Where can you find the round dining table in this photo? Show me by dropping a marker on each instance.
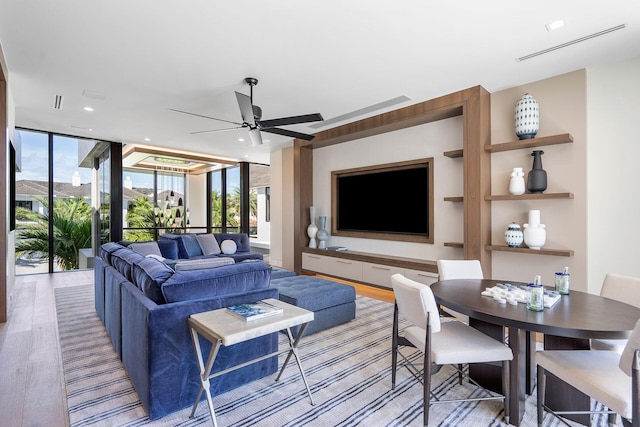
(568, 324)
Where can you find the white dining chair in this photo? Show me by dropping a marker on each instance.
(441, 343)
(625, 289)
(449, 269)
(606, 376)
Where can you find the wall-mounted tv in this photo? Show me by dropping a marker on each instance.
(392, 201)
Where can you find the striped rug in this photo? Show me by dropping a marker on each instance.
(348, 369)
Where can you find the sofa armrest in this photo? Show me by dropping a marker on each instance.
(158, 353)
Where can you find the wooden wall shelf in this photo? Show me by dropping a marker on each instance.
(459, 245)
(454, 199)
(453, 154)
(496, 197)
(525, 250)
(530, 143)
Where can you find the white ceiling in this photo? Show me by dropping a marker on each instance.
(332, 57)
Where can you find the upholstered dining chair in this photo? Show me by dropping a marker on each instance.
(625, 289)
(608, 377)
(446, 343)
(449, 269)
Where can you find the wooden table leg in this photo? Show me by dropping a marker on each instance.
(559, 395)
(517, 380)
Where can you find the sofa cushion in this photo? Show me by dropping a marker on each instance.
(241, 240)
(107, 249)
(123, 259)
(208, 244)
(200, 263)
(169, 248)
(149, 275)
(229, 279)
(146, 248)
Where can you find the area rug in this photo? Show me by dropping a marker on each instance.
(348, 369)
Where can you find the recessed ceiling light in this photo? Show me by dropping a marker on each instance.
(246, 156)
(267, 140)
(87, 108)
(241, 139)
(555, 25)
(147, 139)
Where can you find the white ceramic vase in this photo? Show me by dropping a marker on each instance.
(527, 117)
(513, 237)
(516, 184)
(535, 234)
(312, 229)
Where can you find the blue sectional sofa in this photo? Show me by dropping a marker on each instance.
(145, 305)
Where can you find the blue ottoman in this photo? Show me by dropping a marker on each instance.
(332, 303)
(279, 273)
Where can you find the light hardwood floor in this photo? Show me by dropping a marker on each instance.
(32, 391)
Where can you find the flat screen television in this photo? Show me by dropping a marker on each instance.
(390, 202)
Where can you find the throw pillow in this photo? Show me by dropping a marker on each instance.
(154, 256)
(191, 246)
(208, 244)
(146, 248)
(228, 247)
(168, 248)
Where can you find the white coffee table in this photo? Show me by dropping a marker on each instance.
(222, 328)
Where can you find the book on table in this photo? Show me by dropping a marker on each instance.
(254, 310)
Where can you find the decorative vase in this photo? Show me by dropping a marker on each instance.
(312, 229)
(527, 117)
(535, 234)
(513, 237)
(323, 234)
(537, 179)
(516, 184)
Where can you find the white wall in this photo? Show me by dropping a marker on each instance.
(613, 93)
(197, 200)
(281, 250)
(429, 140)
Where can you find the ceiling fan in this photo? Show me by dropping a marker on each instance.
(252, 119)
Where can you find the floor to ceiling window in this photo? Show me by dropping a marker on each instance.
(32, 199)
(53, 205)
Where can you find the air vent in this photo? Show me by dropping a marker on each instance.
(57, 102)
(572, 42)
(362, 111)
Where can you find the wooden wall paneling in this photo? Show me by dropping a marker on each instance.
(4, 184)
(477, 180)
(303, 198)
(473, 104)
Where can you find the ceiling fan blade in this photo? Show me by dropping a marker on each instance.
(256, 138)
(215, 130)
(246, 108)
(305, 118)
(290, 133)
(205, 117)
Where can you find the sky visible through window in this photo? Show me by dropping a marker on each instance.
(65, 159)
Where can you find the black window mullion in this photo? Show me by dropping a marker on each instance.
(50, 212)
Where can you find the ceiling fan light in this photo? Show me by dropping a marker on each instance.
(256, 138)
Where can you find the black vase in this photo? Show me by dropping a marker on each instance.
(537, 179)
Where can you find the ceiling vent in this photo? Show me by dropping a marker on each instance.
(57, 102)
(572, 42)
